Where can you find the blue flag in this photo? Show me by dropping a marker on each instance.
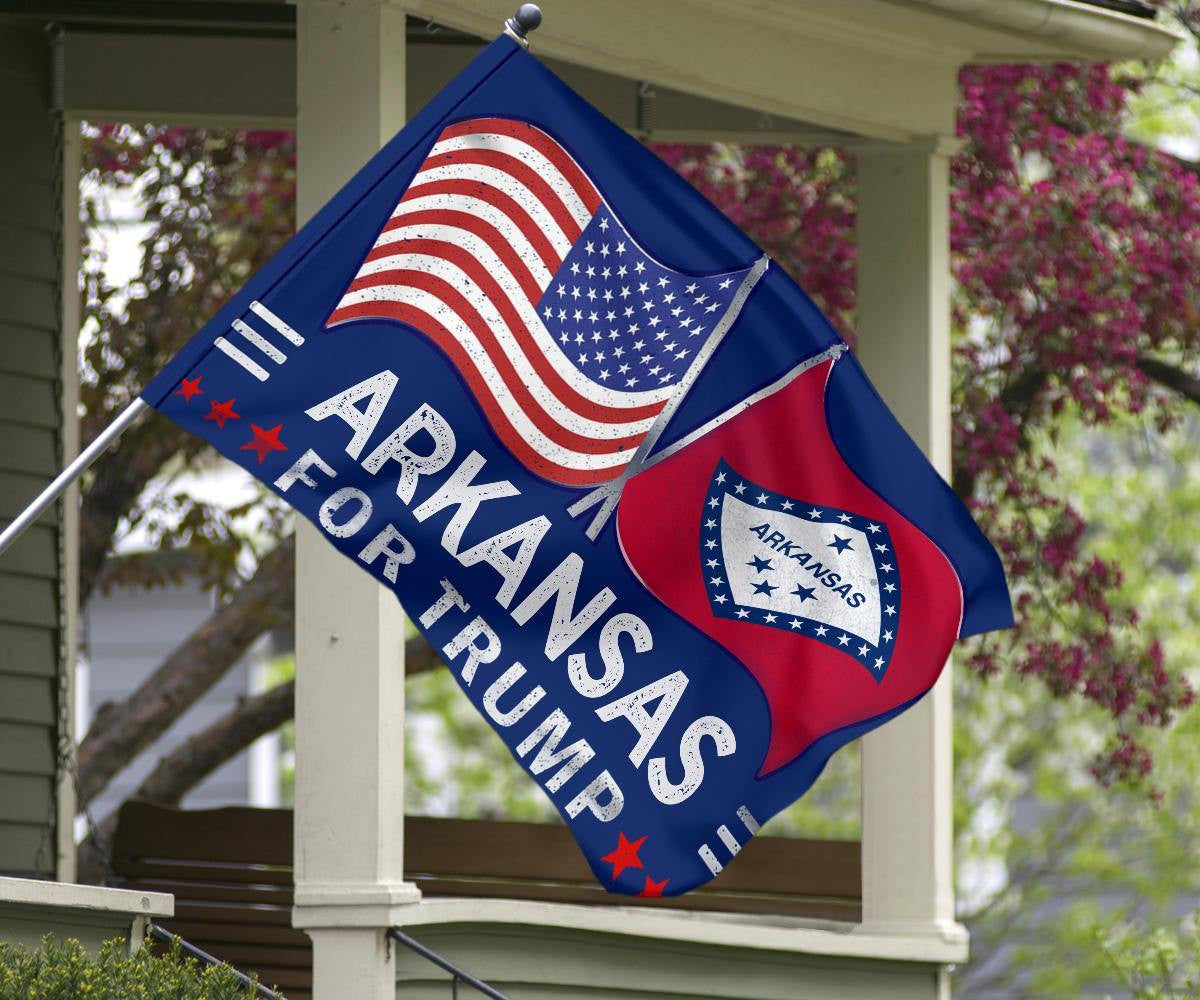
(618, 469)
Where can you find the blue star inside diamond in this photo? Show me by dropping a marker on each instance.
(763, 587)
(760, 565)
(841, 544)
(804, 593)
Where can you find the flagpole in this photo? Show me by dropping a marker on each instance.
(126, 419)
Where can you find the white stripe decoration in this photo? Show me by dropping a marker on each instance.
(727, 838)
(255, 369)
(262, 311)
(710, 859)
(748, 820)
(732, 844)
(260, 343)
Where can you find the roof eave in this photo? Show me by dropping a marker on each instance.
(1069, 28)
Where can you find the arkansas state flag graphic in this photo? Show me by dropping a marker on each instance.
(788, 560)
(619, 470)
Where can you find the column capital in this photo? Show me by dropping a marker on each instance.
(921, 145)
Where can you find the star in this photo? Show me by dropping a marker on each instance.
(220, 412)
(743, 613)
(873, 529)
(841, 544)
(804, 593)
(764, 587)
(787, 505)
(814, 513)
(889, 587)
(711, 564)
(760, 565)
(879, 663)
(264, 442)
(711, 543)
(881, 548)
(886, 567)
(796, 623)
(821, 630)
(720, 477)
(740, 488)
(713, 501)
(710, 523)
(189, 387)
(716, 581)
(769, 618)
(887, 636)
(889, 610)
(844, 518)
(652, 888)
(625, 856)
(863, 649)
(761, 498)
(720, 598)
(843, 640)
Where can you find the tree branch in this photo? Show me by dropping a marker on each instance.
(183, 768)
(192, 761)
(1170, 377)
(1017, 397)
(122, 730)
(178, 772)
(115, 482)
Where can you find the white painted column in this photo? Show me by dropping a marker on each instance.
(349, 833)
(72, 159)
(904, 344)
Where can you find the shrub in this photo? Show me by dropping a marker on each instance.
(62, 970)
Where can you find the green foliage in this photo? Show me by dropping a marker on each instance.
(1163, 966)
(1057, 881)
(455, 764)
(62, 970)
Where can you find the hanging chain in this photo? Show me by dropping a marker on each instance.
(65, 762)
(46, 858)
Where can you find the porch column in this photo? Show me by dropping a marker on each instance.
(904, 344)
(349, 630)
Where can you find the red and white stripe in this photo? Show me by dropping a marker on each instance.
(465, 257)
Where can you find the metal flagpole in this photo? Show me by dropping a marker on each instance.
(127, 418)
(517, 27)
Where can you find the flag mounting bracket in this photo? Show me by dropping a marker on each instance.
(525, 20)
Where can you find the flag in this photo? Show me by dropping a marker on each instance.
(571, 336)
(617, 467)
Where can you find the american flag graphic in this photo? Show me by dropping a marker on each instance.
(572, 338)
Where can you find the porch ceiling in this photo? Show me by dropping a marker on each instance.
(805, 71)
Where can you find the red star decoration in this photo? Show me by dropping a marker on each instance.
(190, 387)
(220, 412)
(264, 442)
(653, 888)
(625, 856)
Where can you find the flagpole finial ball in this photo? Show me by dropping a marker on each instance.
(527, 18)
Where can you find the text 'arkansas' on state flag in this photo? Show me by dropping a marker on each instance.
(617, 467)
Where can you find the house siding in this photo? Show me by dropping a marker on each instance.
(30, 450)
